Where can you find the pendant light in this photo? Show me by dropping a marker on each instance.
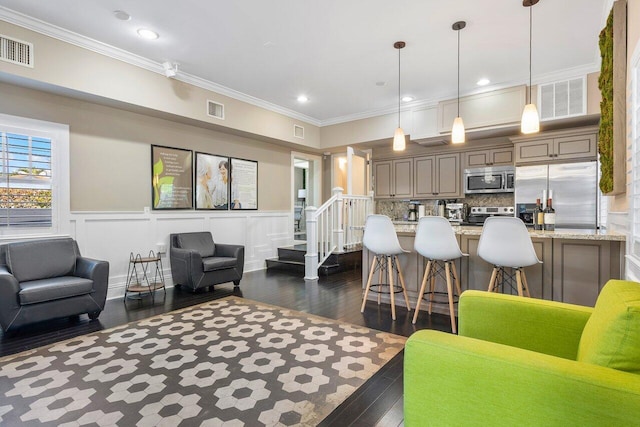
(457, 131)
(530, 119)
(398, 138)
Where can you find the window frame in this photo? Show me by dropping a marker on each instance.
(60, 175)
(633, 233)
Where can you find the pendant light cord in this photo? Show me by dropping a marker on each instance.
(458, 31)
(530, 43)
(399, 86)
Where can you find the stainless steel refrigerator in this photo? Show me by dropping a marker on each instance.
(574, 187)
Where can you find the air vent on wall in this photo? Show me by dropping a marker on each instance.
(215, 109)
(562, 99)
(16, 51)
(298, 131)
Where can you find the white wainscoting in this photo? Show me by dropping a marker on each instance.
(112, 236)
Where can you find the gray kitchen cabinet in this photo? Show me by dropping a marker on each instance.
(393, 178)
(582, 267)
(476, 272)
(566, 145)
(437, 176)
(492, 157)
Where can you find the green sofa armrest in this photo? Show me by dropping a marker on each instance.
(452, 380)
(542, 326)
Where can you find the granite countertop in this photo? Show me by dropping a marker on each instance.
(409, 228)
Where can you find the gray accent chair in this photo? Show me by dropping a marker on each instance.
(47, 279)
(197, 262)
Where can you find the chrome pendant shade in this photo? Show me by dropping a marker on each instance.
(457, 131)
(399, 143)
(530, 122)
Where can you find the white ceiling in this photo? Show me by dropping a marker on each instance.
(335, 51)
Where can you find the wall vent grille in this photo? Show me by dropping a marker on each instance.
(16, 51)
(562, 99)
(298, 131)
(215, 109)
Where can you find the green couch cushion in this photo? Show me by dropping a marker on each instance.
(611, 336)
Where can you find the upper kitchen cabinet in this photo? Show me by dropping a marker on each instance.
(502, 156)
(437, 176)
(574, 144)
(393, 178)
(501, 107)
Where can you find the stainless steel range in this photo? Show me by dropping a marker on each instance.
(478, 214)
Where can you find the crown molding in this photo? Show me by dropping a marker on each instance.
(67, 36)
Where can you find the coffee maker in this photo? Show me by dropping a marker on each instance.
(457, 212)
(413, 212)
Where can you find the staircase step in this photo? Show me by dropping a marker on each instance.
(292, 253)
(294, 266)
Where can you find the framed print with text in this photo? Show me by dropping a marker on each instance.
(171, 178)
(212, 182)
(244, 184)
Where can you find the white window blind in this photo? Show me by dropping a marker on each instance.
(34, 178)
(25, 180)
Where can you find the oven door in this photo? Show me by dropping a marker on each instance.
(491, 182)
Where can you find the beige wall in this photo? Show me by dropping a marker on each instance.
(110, 153)
(71, 67)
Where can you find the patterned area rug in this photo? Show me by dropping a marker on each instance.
(228, 362)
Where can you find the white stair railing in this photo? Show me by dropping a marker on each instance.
(334, 226)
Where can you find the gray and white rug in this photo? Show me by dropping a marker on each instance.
(229, 362)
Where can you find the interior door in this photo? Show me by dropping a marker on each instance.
(358, 172)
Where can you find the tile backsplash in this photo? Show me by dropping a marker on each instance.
(398, 210)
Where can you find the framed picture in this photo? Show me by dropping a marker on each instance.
(171, 178)
(212, 182)
(244, 184)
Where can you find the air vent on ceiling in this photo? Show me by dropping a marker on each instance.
(562, 99)
(215, 109)
(298, 131)
(16, 51)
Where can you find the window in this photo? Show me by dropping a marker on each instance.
(34, 177)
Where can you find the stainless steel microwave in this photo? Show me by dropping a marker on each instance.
(498, 179)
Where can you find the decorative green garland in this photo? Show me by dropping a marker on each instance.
(605, 83)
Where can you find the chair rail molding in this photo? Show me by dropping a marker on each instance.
(112, 236)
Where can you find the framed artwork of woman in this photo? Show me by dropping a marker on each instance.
(212, 182)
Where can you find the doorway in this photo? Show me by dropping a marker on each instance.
(306, 190)
(351, 172)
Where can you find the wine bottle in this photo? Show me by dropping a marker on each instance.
(538, 216)
(549, 217)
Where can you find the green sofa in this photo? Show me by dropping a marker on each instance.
(528, 362)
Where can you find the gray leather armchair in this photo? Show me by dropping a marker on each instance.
(47, 279)
(198, 262)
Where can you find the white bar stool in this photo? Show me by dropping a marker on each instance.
(436, 241)
(505, 242)
(380, 238)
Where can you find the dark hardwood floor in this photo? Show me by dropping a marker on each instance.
(338, 296)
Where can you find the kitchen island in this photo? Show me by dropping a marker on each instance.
(575, 265)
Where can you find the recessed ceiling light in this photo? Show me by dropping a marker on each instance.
(407, 98)
(121, 15)
(147, 34)
(483, 82)
(303, 98)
